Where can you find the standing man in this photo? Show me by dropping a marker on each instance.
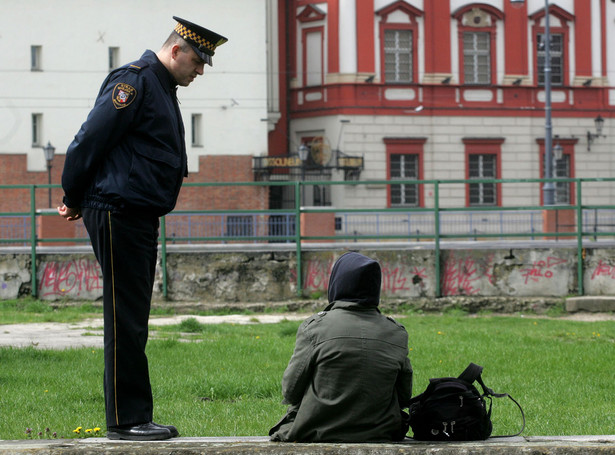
(124, 170)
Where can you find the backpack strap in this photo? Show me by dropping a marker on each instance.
(473, 373)
(522, 416)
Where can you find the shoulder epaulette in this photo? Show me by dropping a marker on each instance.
(137, 66)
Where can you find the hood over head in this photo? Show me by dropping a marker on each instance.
(355, 278)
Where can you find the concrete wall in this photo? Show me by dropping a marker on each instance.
(253, 273)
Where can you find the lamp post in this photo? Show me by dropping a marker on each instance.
(303, 152)
(599, 123)
(548, 189)
(49, 151)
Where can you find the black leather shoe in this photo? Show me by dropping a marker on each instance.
(171, 428)
(143, 432)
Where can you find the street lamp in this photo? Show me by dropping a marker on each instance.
(303, 152)
(599, 123)
(49, 151)
(548, 189)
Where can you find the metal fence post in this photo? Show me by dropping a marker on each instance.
(579, 239)
(33, 240)
(298, 237)
(436, 206)
(163, 255)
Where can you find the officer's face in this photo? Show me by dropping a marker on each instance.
(186, 66)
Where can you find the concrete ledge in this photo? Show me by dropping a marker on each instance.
(594, 304)
(544, 445)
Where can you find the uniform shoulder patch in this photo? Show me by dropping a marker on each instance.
(123, 95)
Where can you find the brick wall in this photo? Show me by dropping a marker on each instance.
(216, 168)
(13, 171)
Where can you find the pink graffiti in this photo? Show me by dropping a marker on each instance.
(603, 269)
(70, 278)
(541, 269)
(394, 279)
(463, 275)
(317, 274)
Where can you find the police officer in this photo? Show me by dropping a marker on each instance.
(124, 170)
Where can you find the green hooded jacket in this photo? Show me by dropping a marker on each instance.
(349, 377)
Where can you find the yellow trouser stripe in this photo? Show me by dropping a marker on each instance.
(117, 420)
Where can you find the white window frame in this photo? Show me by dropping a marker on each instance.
(196, 124)
(36, 55)
(37, 130)
(114, 58)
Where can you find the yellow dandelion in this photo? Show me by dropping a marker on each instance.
(96, 430)
(89, 430)
(77, 430)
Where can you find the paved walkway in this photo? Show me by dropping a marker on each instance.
(88, 333)
(568, 445)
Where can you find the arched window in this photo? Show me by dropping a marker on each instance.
(477, 38)
(398, 43)
(559, 35)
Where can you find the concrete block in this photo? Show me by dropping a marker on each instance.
(594, 304)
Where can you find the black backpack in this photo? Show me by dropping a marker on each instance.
(452, 409)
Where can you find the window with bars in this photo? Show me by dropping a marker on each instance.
(482, 166)
(477, 57)
(404, 167)
(398, 56)
(557, 58)
(562, 189)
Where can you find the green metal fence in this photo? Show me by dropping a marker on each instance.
(436, 212)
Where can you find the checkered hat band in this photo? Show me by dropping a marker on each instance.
(188, 34)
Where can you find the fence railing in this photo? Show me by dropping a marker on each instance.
(435, 223)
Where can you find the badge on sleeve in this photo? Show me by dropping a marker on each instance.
(123, 95)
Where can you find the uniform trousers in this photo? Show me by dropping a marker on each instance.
(125, 246)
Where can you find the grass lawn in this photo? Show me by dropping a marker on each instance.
(226, 381)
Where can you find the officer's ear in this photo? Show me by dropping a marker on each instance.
(175, 50)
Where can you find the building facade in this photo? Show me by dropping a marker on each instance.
(58, 53)
(442, 89)
(361, 91)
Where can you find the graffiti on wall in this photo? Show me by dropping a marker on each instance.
(396, 278)
(463, 275)
(541, 269)
(604, 270)
(74, 278)
(317, 274)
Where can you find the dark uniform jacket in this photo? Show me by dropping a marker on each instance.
(130, 153)
(349, 376)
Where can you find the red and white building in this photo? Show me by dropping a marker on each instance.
(438, 89)
(377, 90)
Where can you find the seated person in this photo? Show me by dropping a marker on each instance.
(349, 377)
